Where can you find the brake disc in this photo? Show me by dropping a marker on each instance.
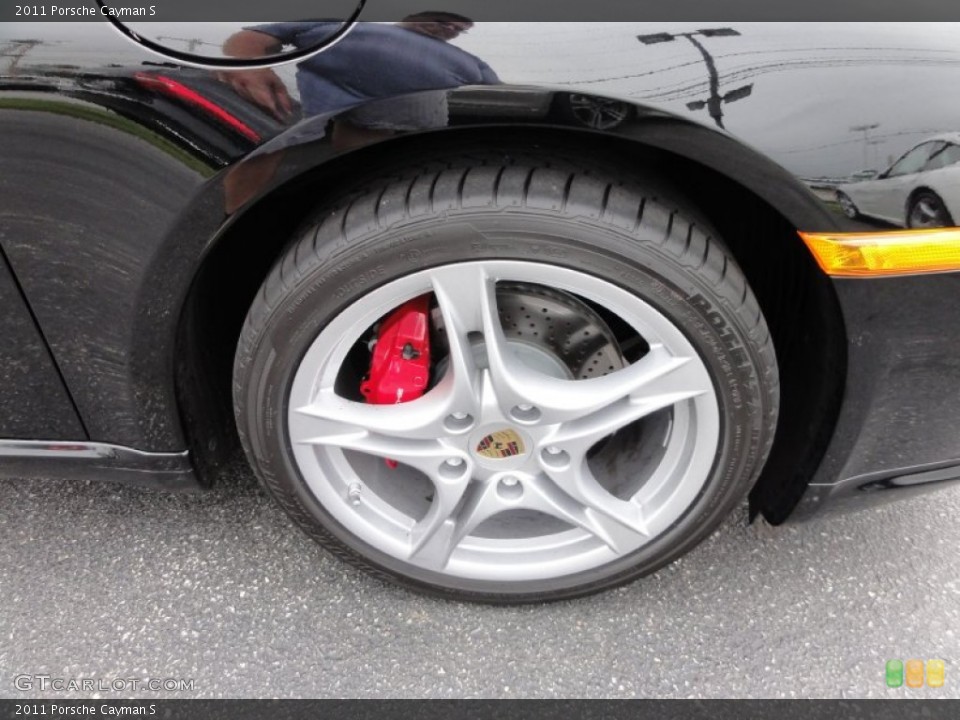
(550, 331)
(560, 325)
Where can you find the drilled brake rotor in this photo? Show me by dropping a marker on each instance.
(560, 324)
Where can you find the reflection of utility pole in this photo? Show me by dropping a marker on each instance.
(17, 50)
(873, 144)
(865, 129)
(714, 103)
(192, 43)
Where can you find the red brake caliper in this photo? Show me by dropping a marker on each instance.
(400, 366)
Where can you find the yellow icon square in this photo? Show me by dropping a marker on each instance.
(935, 673)
(914, 673)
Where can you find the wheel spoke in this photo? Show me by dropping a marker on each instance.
(657, 380)
(457, 510)
(465, 295)
(422, 418)
(616, 113)
(426, 455)
(617, 523)
(431, 538)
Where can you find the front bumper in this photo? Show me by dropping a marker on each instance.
(898, 433)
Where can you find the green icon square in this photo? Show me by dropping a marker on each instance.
(894, 673)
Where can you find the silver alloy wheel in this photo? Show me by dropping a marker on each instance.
(540, 509)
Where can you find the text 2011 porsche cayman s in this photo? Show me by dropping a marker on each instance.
(503, 308)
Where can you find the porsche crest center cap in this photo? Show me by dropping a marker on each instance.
(501, 445)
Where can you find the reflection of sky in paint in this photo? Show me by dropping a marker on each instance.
(90, 45)
(802, 74)
(82, 42)
(78, 43)
(201, 38)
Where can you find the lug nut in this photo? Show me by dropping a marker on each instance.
(458, 422)
(510, 488)
(525, 413)
(454, 468)
(554, 457)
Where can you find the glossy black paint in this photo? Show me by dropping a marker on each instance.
(87, 203)
(34, 400)
(126, 180)
(897, 428)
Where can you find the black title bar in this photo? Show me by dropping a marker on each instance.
(136, 11)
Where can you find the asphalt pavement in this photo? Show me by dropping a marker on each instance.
(101, 582)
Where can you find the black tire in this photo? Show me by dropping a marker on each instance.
(589, 219)
(927, 210)
(847, 206)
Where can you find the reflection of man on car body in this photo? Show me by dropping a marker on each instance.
(379, 80)
(374, 62)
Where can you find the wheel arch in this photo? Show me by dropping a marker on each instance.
(926, 187)
(911, 198)
(797, 298)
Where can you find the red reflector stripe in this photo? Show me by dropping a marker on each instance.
(181, 92)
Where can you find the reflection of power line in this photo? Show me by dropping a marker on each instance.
(679, 90)
(865, 129)
(714, 103)
(685, 88)
(873, 144)
(879, 139)
(192, 43)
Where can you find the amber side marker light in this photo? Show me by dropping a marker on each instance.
(898, 252)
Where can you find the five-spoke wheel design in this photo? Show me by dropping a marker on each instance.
(510, 467)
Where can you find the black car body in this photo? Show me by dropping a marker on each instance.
(143, 200)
